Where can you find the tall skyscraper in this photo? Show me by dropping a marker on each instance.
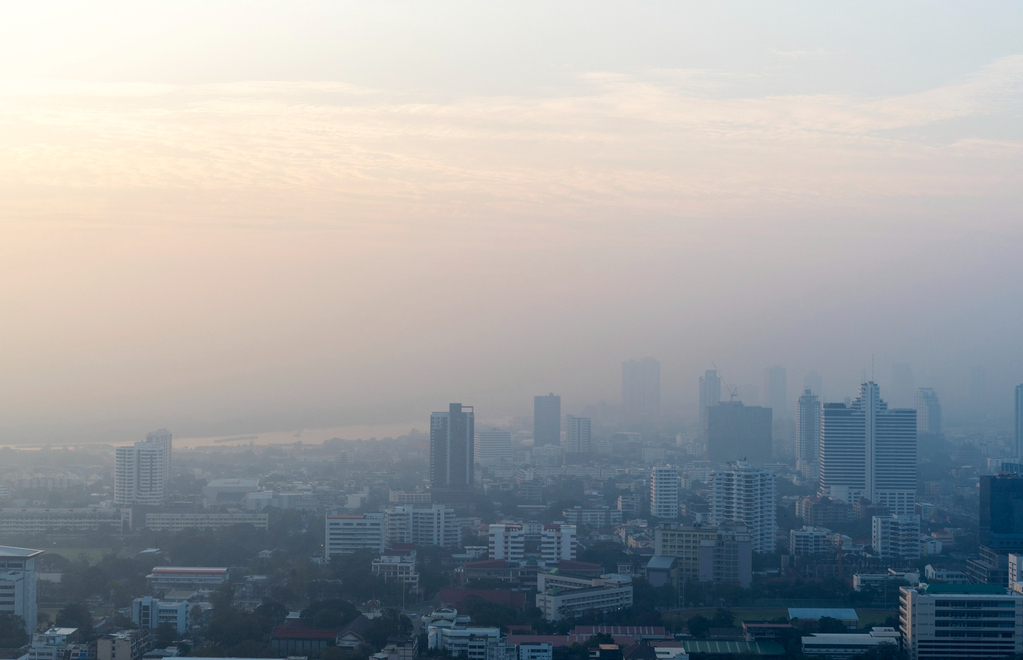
(928, 412)
(737, 432)
(664, 486)
(641, 386)
(903, 385)
(1001, 512)
(451, 449)
(493, 447)
(869, 451)
(546, 420)
(577, 435)
(710, 396)
(1019, 421)
(18, 584)
(776, 391)
(142, 470)
(745, 494)
(808, 438)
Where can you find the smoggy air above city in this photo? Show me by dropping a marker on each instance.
(526, 331)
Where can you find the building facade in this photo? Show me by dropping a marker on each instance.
(507, 541)
(347, 533)
(928, 412)
(546, 420)
(951, 622)
(742, 493)
(896, 536)
(433, 525)
(710, 396)
(641, 387)
(577, 435)
(558, 543)
(808, 436)
(494, 448)
(869, 451)
(142, 470)
(18, 584)
(452, 440)
(739, 432)
(664, 487)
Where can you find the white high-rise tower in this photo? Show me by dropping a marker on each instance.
(808, 441)
(869, 451)
(664, 485)
(142, 470)
(746, 494)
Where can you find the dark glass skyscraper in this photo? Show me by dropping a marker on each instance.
(1019, 421)
(452, 436)
(546, 420)
(738, 433)
(1001, 512)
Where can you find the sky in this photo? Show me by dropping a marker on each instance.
(239, 216)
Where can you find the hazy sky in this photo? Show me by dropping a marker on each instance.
(220, 215)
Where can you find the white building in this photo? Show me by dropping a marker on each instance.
(348, 533)
(35, 521)
(863, 581)
(475, 643)
(18, 584)
(176, 522)
(398, 567)
(432, 525)
(148, 612)
(745, 494)
(808, 439)
(536, 651)
(928, 412)
(664, 485)
(896, 536)
(960, 621)
(868, 450)
(507, 541)
(561, 596)
(810, 541)
(494, 448)
(577, 435)
(56, 644)
(844, 646)
(558, 543)
(142, 470)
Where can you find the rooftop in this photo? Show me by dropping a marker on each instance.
(840, 613)
(10, 551)
(965, 589)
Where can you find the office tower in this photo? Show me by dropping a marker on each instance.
(928, 412)
(546, 420)
(776, 391)
(1001, 511)
(577, 435)
(18, 584)
(142, 470)
(493, 448)
(808, 438)
(903, 385)
(868, 450)
(558, 543)
(945, 621)
(737, 432)
(664, 485)
(422, 525)
(744, 494)
(813, 382)
(896, 536)
(506, 541)
(1019, 421)
(710, 396)
(347, 533)
(641, 386)
(451, 449)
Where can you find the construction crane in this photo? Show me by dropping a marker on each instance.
(733, 392)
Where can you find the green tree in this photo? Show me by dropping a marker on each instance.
(830, 625)
(722, 619)
(698, 626)
(76, 615)
(12, 631)
(164, 635)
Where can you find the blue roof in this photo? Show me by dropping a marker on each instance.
(840, 613)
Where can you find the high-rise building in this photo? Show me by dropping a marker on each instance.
(142, 470)
(896, 536)
(430, 525)
(546, 420)
(577, 435)
(451, 449)
(493, 447)
(18, 584)
(1001, 512)
(664, 485)
(746, 495)
(558, 543)
(507, 541)
(928, 412)
(1019, 421)
(808, 438)
(868, 450)
(952, 621)
(776, 391)
(347, 533)
(737, 432)
(710, 396)
(641, 386)
(903, 385)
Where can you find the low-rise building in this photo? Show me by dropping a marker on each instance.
(24, 521)
(845, 646)
(934, 574)
(398, 567)
(560, 596)
(475, 643)
(124, 645)
(193, 578)
(56, 644)
(536, 651)
(176, 522)
(896, 536)
(149, 612)
(347, 533)
(810, 541)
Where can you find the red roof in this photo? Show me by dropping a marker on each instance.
(516, 599)
(295, 629)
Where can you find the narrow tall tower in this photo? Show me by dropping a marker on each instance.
(808, 440)
(451, 449)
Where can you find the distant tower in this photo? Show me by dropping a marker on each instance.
(928, 412)
(808, 440)
(1019, 421)
(641, 387)
(577, 435)
(776, 391)
(142, 470)
(735, 432)
(493, 447)
(710, 395)
(745, 494)
(869, 450)
(546, 420)
(451, 449)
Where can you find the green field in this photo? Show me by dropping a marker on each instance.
(92, 555)
(868, 618)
